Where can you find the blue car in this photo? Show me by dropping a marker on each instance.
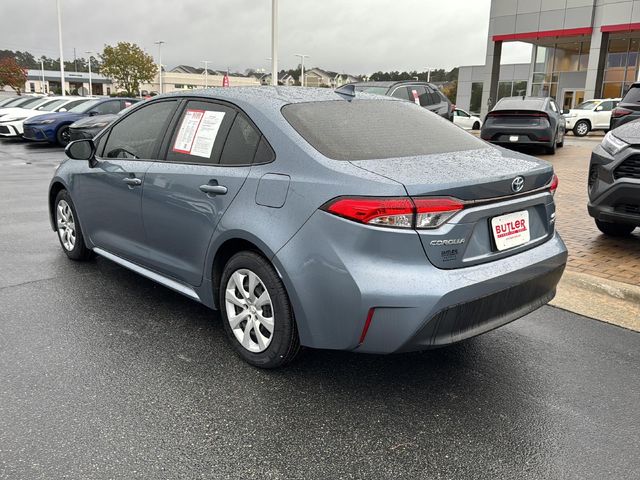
(54, 127)
(317, 218)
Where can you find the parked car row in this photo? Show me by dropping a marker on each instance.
(50, 119)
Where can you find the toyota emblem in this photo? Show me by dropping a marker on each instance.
(517, 184)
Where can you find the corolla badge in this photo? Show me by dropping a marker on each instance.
(517, 184)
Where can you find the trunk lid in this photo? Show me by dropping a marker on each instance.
(483, 178)
(467, 175)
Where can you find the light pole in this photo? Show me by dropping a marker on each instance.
(62, 82)
(302, 57)
(42, 71)
(428, 69)
(159, 43)
(90, 84)
(274, 43)
(206, 72)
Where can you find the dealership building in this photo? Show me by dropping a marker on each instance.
(581, 49)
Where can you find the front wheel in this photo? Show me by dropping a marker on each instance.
(476, 126)
(63, 136)
(615, 229)
(256, 312)
(68, 228)
(581, 128)
(551, 150)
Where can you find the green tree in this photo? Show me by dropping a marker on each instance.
(12, 74)
(128, 66)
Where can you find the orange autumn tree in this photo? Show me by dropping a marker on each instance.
(12, 74)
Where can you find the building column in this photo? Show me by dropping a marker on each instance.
(489, 95)
(596, 66)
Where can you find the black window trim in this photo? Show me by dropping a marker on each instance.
(157, 150)
(168, 135)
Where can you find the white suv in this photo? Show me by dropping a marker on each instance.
(591, 115)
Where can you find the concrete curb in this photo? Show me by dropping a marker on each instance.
(606, 300)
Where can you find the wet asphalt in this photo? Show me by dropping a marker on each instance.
(106, 375)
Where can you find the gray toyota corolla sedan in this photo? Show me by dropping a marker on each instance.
(310, 217)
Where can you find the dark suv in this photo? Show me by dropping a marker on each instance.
(628, 109)
(614, 181)
(424, 94)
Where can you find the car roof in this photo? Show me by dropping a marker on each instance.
(269, 97)
(521, 103)
(391, 83)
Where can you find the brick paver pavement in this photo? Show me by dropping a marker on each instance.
(590, 251)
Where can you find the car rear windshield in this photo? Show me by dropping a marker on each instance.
(375, 129)
(374, 90)
(515, 103)
(633, 95)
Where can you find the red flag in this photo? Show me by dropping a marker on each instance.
(225, 80)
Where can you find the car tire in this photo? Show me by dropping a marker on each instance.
(63, 136)
(561, 143)
(582, 128)
(615, 229)
(476, 126)
(68, 228)
(551, 149)
(247, 314)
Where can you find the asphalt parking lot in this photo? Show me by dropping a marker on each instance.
(104, 374)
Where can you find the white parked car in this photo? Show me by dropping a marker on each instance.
(12, 119)
(466, 120)
(590, 115)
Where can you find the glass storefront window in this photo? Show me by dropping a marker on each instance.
(519, 88)
(504, 90)
(475, 106)
(621, 67)
(567, 58)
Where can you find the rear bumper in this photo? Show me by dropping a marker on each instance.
(333, 284)
(501, 135)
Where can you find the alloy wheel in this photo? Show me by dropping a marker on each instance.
(66, 225)
(582, 129)
(249, 310)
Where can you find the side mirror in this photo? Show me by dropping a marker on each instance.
(599, 108)
(93, 113)
(62, 109)
(81, 150)
(565, 111)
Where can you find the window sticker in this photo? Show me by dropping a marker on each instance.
(416, 97)
(198, 132)
(188, 130)
(206, 134)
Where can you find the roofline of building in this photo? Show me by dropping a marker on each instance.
(569, 32)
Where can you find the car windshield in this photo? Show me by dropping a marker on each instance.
(371, 129)
(374, 90)
(7, 101)
(26, 102)
(84, 107)
(588, 105)
(50, 107)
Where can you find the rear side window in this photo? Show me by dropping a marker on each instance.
(242, 143)
(139, 134)
(607, 106)
(402, 92)
(200, 133)
(374, 129)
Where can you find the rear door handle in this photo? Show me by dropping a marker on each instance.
(214, 189)
(133, 181)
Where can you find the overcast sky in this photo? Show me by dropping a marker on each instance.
(354, 36)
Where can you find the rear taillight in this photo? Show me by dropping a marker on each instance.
(433, 212)
(620, 112)
(403, 212)
(553, 186)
